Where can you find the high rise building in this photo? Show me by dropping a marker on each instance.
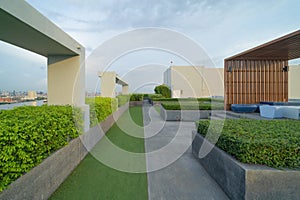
(31, 95)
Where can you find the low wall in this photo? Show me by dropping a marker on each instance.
(184, 115)
(40, 182)
(135, 103)
(243, 181)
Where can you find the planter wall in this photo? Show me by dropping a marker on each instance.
(135, 103)
(243, 181)
(40, 182)
(184, 115)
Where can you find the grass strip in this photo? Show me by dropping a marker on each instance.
(94, 180)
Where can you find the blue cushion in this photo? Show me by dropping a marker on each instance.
(244, 108)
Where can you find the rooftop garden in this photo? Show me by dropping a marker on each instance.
(275, 143)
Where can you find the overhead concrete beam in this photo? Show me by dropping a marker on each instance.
(120, 81)
(25, 27)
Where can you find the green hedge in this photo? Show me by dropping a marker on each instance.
(28, 135)
(154, 96)
(123, 99)
(275, 143)
(136, 97)
(101, 108)
(190, 99)
(191, 105)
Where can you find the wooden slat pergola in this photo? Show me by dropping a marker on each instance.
(261, 73)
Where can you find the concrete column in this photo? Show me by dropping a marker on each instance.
(108, 84)
(294, 82)
(66, 83)
(125, 89)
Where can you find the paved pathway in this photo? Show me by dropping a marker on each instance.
(183, 179)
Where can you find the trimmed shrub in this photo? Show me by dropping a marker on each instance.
(191, 105)
(101, 108)
(137, 97)
(123, 99)
(155, 96)
(163, 90)
(275, 143)
(28, 135)
(190, 99)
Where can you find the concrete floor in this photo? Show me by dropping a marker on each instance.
(173, 172)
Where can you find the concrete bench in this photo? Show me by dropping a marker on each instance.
(291, 112)
(271, 112)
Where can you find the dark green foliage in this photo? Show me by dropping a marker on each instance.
(275, 143)
(123, 99)
(192, 105)
(207, 100)
(163, 90)
(30, 134)
(155, 96)
(101, 108)
(137, 97)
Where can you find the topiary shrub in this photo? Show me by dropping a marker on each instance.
(163, 90)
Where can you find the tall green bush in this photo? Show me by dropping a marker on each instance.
(30, 134)
(163, 90)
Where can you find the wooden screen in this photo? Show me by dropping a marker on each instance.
(252, 81)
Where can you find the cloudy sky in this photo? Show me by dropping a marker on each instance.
(220, 27)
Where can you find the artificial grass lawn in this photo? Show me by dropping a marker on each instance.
(157, 108)
(94, 180)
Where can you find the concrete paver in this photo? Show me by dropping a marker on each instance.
(183, 177)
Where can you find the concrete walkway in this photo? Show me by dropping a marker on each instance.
(174, 172)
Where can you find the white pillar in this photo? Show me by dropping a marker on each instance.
(108, 84)
(66, 83)
(125, 89)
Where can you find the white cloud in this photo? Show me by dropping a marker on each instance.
(221, 27)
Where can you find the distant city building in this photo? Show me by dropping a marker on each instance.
(194, 81)
(31, 95)
(6, 100)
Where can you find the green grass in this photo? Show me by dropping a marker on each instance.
(157, 108)
(94, 180)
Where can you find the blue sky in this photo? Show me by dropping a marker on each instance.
(221, 27)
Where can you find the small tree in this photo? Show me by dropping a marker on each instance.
(163, 90)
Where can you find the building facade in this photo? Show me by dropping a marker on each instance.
(294, 82)
(194, 81)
